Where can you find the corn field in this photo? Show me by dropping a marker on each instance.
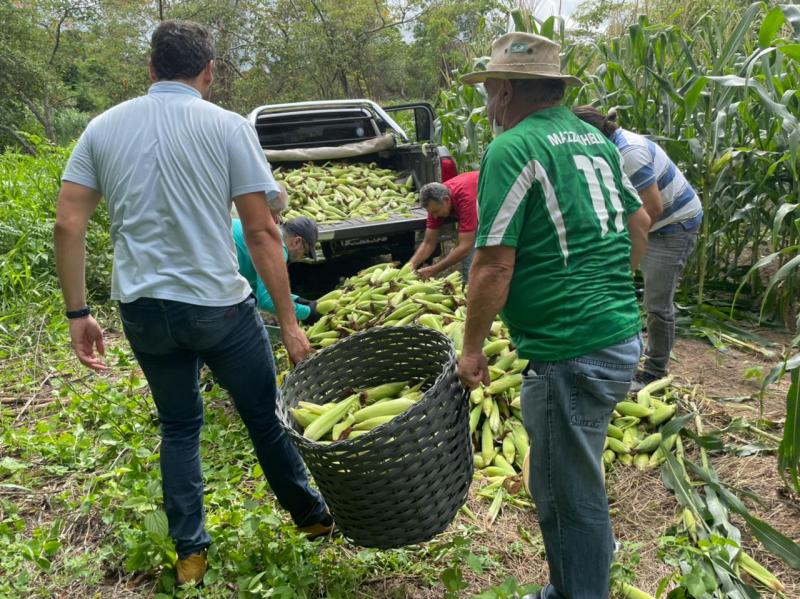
(720, 97)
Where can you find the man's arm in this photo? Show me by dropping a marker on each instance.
(264, 245)
(264, 301)
(466, 241)
(76, 204)
(490, 279)
(651, 200)
(638, 229)
(426, 248)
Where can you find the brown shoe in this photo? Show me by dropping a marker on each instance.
(192, 568)
(322, 528)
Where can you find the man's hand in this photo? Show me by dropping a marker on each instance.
(473, 369)
(427, 272)
(86, 335)
(295, 342)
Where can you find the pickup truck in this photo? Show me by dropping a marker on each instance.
(355, 131)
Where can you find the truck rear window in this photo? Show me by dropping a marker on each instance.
(313, 130)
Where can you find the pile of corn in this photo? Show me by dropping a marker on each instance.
(633, 436)
(357, 414)
(386, 295)
(337, 191)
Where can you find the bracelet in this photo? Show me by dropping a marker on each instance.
(78, 313)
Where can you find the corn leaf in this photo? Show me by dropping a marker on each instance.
(789, 450)
(776, 543)
(777, 223)
(770, 26)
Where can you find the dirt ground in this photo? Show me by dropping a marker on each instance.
(643, 509)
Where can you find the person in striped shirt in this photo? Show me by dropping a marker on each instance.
(676, 215)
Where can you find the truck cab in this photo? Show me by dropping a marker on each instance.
(358, 131)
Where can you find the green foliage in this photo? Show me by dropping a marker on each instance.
(462, 124)
(30, 300)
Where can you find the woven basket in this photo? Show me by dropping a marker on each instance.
(404, 481)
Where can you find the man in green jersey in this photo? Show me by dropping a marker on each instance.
(559, 229)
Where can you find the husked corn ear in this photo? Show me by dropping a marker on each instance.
(477, 460)
(500, 462)
(617, 446)
(494, 418)
(495, 347)
(476, 396)
(391, 407)
(381, 391)
(303, 417)
(505, 361)
(342, 426)
(510, 381)
(509, 449)
(474, 418)
(368, 425)
(324, 423)
(661, 414)
(614, 431)
(326, 306)
(642, 461)
(631, 408)
(649, 443)
(487, 442)
(643, 396)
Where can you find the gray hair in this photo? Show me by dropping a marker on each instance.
(279, 202)
(433, 192)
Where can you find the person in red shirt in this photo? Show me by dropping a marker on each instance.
(458, 198)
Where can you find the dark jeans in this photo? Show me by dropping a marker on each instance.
(169, 339)
(566, 407)
(662, 268)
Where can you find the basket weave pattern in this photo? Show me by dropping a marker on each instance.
(403, 482)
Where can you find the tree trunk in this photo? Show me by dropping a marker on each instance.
(27, 146)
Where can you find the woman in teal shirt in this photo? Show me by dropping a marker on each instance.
(299, 240)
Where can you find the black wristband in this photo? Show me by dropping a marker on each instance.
(79, 313)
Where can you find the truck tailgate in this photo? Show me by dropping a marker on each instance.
(359, 228)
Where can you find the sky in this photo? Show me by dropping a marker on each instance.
(546, 8)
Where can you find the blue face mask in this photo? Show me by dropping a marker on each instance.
(497, 129)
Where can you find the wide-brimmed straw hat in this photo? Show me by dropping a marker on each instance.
(519, 55)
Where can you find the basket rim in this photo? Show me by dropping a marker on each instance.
(400, 418)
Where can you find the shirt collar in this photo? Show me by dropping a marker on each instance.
(173, 87)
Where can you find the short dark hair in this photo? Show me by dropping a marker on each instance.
(433, 192)
(180, 49)
(590, 114)
(539, 90)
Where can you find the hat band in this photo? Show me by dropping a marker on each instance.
(547, 65)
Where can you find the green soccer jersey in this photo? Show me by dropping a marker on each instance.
(553, 188)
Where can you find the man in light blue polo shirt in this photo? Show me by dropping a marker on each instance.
(169, 164)
(676, 214)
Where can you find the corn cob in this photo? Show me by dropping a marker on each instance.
(630, 408)
(391, 407)
(324, 423)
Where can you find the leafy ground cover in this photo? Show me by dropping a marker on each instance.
(80, 495)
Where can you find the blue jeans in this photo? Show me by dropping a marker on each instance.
(169, 339)
(662, 268)
(566, 407)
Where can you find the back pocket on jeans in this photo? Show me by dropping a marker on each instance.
(594, 399)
